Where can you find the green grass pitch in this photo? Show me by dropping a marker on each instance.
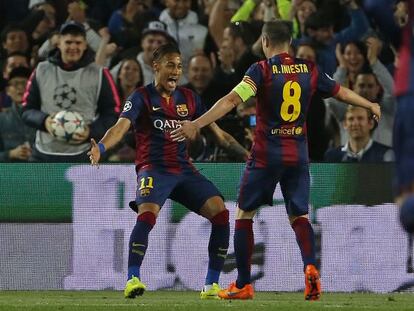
(186, 300)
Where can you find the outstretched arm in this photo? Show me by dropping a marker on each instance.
(189, 130)
(346, 95)
(110, 139)
(227, 142)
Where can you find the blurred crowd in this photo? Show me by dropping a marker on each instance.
(352, 41)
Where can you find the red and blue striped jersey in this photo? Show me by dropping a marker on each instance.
(404, 76)
(284, 86)
(153, 118)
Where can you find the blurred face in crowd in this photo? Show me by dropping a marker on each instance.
(72, 48)
(306, 52)
(304, 9)
(200, 72)
(16, 41)
(322, 35)
(178, 9)
(235, 43)
(168, 71)
(358, 124)
(14, 62)
(367, 86)
(15, 89)
(48, 22)
(130, 73)
(151, 42)
(353, 57)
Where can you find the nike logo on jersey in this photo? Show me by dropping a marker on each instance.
(156, 108)
(329, 77)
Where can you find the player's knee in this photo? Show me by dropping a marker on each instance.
(241, 214)
(221, 218)
(148, 217)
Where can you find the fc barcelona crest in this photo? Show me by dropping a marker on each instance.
(182, 110)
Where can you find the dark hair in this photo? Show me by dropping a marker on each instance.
(15, 53)
(318, 20)
(12, 28)
(278, 32)
(243, 30)
(20, 72)
(165, 49)
(359, 44)
(141, 75)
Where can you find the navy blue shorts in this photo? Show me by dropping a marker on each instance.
(190, 189)
(257, 186)
(404, 142)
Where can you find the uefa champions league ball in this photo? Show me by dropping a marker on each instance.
(407, 214)
(66, 124)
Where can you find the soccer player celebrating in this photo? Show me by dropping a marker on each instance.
(283, 86)
(163, 167)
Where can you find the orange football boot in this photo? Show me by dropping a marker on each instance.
(312, 283)
(232, 292)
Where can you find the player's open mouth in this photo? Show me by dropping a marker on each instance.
(172, 82)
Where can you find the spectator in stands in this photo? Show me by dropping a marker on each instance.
(13, 60)
(69, 80)
(42, 21)
(320, 28)
(318, 126)
(237, 42)
(76, 11)
(127, 23)
(374, 84)
(14, 39)
(16, 138)
(182, 24)
(200, 80)
(129, 78)
(360, 146)
(200, 76)
(351, 60)
(298, 12)
(153, 36)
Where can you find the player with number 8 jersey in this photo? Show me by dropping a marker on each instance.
(283, 87)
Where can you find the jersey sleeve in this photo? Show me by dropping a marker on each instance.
(133, 106)
(325, 84)
(248, 86)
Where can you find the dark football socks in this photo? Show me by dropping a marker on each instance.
(243, 248)
(218, 245)
(138, 243)
(305, 239)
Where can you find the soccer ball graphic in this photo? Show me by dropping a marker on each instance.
(66, 123)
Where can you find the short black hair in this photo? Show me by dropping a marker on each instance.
(165, 49)
(12, 28)
(318, 20)
(243, 30)
(278, 32)
(20, 72)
